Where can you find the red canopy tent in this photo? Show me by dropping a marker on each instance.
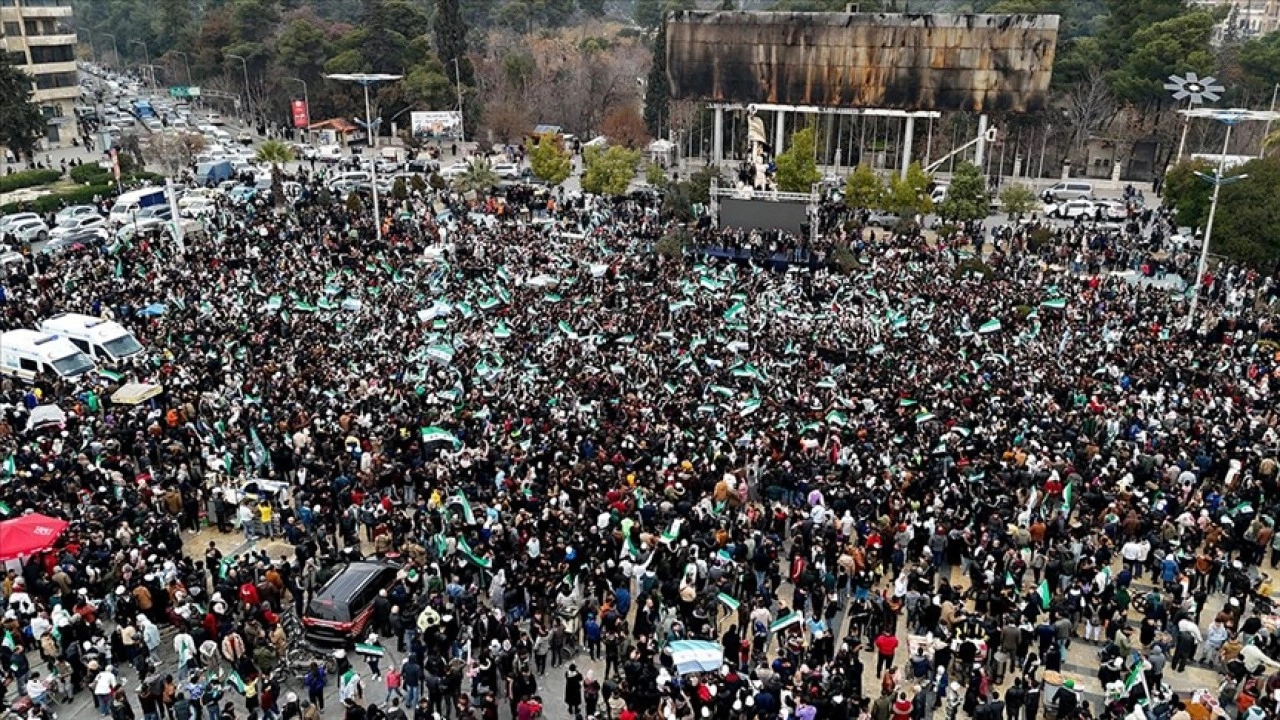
(24, 536)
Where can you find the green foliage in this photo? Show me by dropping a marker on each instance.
(1187, 193)
(89, 173)
(418, 185)
(674, 244)
(1017, 200)
(825, 5)
(428, 86)
(1169, 47)
(21, 123)
(648, 13)
(863, 188)
(845, 259)
(451, 37)
(399, 190)
(274, 152)
(28, 178)
(592, 8)
(967, 197)
(657, 93)
(655, 175)
(910, 195)
(302, 48)
(1247, 224)
(680, 199)
(59, 200)
(1125, 18)
(347, 62)
(354, 204)
(797, 168)
(479, 177)
(1259, 58)
(609, 171)
(549, 160)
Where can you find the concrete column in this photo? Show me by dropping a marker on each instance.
(779, 130)
(717, 139)
(908, 136)
(980, 150)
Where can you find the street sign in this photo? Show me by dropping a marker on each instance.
(185, 91)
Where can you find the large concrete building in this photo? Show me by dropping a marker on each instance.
(38, 37)
(1245, 18)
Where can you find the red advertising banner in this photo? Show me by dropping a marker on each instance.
(301, 118)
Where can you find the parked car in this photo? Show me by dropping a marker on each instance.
(882, 219)
(75, 224)
(157, 212)
(83, 237)
(506, 171)
(1070, 190)
(215, 119)
(75, 211)
(1071, 209)
(1111, 210)
(30, 231)
(8, 222)
(245, 137)
(329, 153)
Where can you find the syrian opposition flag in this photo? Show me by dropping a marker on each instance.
(1135, 677)
(441, 353)
(465, 549)
(990, 326)
(10, 466)
(438, 435)
(1067, 495)
(749, 406)
(672, 534)
(782, 623)
(924, 417)
(566, 328)
(368, 649)
(467, 512)
(502, 332)
(1054, 304)
(735, 310)
(728, 601)
(835, 417)
(236, 681)
(1046, 597)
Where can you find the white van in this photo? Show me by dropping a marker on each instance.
(130, 203)
(28, 355)
(107, 342)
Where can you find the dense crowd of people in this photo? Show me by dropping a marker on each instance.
(581, 447)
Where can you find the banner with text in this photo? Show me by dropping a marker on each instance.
(441, 125)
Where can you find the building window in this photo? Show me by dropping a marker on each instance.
(17, 57)
(12, 29)
(51, 54)
(50, 81)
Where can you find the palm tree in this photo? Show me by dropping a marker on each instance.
(276, 153)
(478, 177)
(1272, 142)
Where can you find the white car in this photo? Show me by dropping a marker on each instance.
(454, 172)
(506, 171)
(75, 211)
(75, 224)
(215, 119)
(1071, 209)
(10, 221)
(1111, 210)
(329, 153)
(30, 231)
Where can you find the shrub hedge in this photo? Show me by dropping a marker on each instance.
(28, 178)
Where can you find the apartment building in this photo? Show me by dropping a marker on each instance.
(1245, 18)
(38, 37)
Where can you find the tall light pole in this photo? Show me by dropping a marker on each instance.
(244, 64)
(115, 51)
(306, 100)
(146, 56)
(1230, 118)
(1266, 133)
(457, 78)
(366, 80)
(186, 61)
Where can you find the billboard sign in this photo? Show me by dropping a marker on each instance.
(974, 63)
(184, 92)
(436, 125)
(301, 116)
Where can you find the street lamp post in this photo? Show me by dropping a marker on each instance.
(306, 100)
(115, 51)
(146, 56)
(244, 65)
(366, 80)
(186, 61)
(1230, 118)
(1194, 90)
(457, 79)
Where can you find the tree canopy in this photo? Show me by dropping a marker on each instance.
(21, 123)
(967, 197)
(797, 168)
(609, 171)
(548, 159)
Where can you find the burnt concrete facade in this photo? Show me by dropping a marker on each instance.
(978, 63)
